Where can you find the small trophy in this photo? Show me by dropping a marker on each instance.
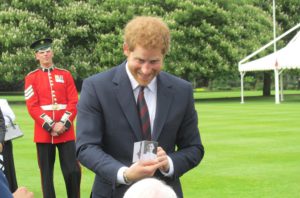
(144, 150)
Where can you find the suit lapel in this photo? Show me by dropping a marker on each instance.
(126, 99)
(165, 97)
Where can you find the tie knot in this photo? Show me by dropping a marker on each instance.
(142, 88)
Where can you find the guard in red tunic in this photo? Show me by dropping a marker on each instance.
(51, 99)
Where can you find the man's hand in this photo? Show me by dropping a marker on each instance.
(147, 168)
(142, 169)
(163, 160)
(22, 192)
(58, 129)
(54, 133)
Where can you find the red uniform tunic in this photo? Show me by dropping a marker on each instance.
(51, 96)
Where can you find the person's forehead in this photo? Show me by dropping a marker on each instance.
(45, 50)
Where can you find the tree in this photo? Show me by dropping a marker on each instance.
(209, 37)
(15, 32)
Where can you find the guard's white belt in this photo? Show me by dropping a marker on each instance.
(54, 107)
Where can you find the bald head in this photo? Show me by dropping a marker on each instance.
(150, 188)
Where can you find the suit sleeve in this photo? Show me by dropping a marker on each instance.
(190, 150)
(90, 132)
(72, 99)
(33, 106)
(4, 187)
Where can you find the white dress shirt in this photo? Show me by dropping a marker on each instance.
(150, 94)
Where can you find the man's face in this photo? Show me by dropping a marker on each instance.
(44, 57)
(144, 64)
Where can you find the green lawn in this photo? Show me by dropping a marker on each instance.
(252, 150)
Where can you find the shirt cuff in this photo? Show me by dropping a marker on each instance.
(120, 177)
(65, 120)
(171, 169)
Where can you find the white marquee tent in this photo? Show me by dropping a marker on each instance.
(285, 58)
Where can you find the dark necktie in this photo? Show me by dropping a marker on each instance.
(144, 115)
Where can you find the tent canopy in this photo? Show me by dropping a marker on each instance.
(285, 58)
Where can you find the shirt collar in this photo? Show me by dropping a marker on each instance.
(152, 86)
(50, 69)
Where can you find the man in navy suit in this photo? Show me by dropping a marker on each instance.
(108, 122)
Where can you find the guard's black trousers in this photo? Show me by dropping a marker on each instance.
(68, 163)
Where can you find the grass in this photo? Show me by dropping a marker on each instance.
(252, 150)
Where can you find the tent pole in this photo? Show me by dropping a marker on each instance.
(242, 86)
(274, 25)
(276, 76)
(281, 86)
(276, 72)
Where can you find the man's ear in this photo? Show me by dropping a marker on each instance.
(36, 58)
(125, 49)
